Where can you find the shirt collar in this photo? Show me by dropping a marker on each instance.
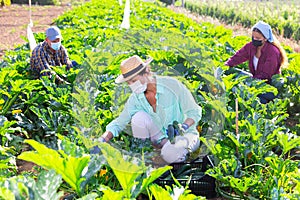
(47, 48)
(159, 85)
(265, 46)
(159, 88)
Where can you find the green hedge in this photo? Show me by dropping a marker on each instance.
(5, 2)
(284, 19)
(39, 2)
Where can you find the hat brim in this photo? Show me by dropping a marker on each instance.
(121, 79)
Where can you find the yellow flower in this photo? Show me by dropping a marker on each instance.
(103, 172)
(199, 128)
(16, 111)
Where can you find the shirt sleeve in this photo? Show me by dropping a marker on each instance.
(65, 58)
(188, 104)
(239, 57)
(118, 124)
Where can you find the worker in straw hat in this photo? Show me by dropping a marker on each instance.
(155, 103)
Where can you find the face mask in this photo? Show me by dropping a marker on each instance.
(56, 45)
(137, 87)
(256, 43)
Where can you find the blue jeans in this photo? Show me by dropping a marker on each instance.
(265, 97)
(74, 64)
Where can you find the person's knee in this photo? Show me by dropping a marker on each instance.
(139, 123)
(194, 141)
(140, 119)
(174, 153)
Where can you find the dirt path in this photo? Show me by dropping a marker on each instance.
(15, 18)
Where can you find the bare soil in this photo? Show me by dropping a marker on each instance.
(15, 18)
(24, 166)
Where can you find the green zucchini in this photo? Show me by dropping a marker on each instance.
(182, 170)
(189, 172)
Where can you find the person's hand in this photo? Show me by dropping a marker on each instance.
(95, 149)
(58, 80)
(180, 129)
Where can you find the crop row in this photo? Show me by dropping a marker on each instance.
(284, 17)
(66, 118)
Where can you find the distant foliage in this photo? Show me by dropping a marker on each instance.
(38, 2)
(284, 18)
(5, 3)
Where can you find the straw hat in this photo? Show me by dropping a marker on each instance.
(131, 67)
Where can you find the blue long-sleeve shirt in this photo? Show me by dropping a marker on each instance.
(174, 102)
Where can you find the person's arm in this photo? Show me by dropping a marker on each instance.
(189, 122)
(117, 125)
(240, 56)
(191, 110)
(107, 136)
(65, 58)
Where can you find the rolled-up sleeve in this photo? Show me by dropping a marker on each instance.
(188, 104)
(118, 124)
(240, 56)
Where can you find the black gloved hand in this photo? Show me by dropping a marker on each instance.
(180, 129)
(95, 149)
(171, 133)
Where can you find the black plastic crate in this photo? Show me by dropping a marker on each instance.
(203, 185)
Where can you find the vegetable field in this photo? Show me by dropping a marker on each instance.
(284, 16)
(254, 146)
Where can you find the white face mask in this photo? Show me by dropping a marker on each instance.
(137, 87)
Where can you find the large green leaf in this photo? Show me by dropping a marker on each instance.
(96, 162)
(21, 187)
(159, 193)
(6, 194)
(154, 174)
(126, 171)
(70, 168)
(46, 186)
(18, 185)
(111, 194)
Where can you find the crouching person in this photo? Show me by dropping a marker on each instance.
(155, 103)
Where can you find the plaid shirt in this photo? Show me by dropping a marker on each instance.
(42, 58)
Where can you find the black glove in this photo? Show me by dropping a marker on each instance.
(95, 149)
(171, 133)
(176, 129)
